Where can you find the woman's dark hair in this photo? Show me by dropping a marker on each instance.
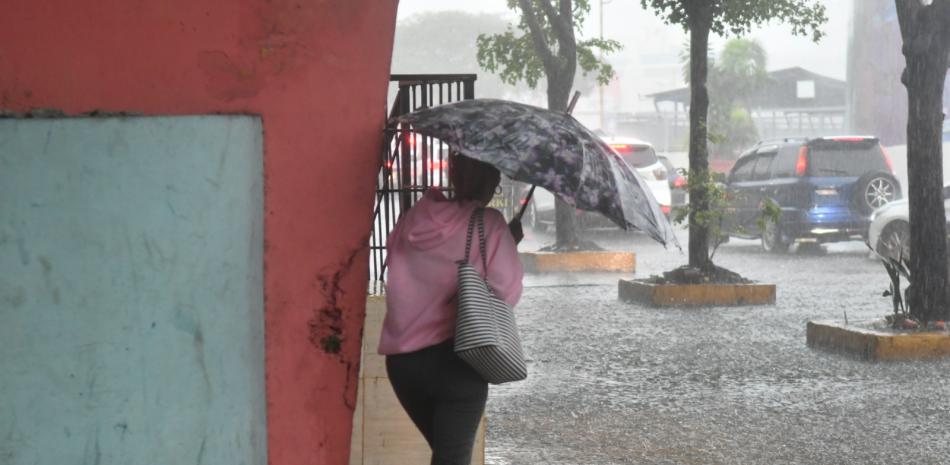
(472, 179)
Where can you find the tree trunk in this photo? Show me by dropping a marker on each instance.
(559, 92)
(700, 21)
(924, 78)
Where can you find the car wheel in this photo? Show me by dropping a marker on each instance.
(873, 190)
(772, 241)
(895, 240)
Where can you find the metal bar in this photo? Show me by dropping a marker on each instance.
(405, 176)
(408, 169)
(407, 78)
(469, 89)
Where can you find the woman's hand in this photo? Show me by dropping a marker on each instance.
(516, 230)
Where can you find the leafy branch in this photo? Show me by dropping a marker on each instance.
(719, 213)
(542, 44)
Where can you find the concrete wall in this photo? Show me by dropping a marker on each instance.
(131, 291)
(317, 74)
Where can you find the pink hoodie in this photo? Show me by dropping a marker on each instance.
(422, 251)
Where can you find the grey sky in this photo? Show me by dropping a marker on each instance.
(649, 61)
(622, 18)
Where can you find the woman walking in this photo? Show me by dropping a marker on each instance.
(443, 396)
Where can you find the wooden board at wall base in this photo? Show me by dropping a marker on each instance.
(550, 262)
(382, 432)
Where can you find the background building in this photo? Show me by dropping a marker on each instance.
(877, 101)
(794, 102)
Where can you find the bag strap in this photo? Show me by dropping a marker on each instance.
(468, 236)
(478, 217)
(481, 238)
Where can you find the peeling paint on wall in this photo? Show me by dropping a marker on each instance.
(326, 326)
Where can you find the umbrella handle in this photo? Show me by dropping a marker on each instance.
(570, 106)
(524, 203)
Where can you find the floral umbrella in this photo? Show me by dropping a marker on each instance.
(549, 149)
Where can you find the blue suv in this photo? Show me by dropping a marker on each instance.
(826, 188)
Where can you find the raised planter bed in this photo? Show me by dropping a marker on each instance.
(546, 262)
(873, 341)
(695, 295)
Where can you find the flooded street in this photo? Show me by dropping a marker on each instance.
(618, 383)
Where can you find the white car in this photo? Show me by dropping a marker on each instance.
(639, 155)
(642, 156)
(889, 232)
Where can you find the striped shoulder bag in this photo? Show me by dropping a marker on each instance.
(485, 333)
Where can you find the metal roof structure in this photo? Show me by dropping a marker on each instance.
(782, 92)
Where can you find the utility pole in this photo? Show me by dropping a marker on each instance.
(600, 87)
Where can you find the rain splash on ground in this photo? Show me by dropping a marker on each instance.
(617, 383)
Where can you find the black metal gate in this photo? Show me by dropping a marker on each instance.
(411, 163)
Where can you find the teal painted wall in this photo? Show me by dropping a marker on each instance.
(131, 291)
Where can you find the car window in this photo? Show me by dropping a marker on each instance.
(783, 165)
(637, 156)
(763, 165)
(743, 169)
(845, 158)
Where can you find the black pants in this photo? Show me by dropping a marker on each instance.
(443, 396)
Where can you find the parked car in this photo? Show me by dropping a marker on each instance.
(677, 182)
(642, 157)
(639, 155)
(826, 188)
(889, 232)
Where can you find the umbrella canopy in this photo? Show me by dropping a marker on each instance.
(550, 149)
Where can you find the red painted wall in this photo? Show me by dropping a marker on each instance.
(316, 71)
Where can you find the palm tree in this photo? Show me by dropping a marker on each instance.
(735, 76)
(738, 74)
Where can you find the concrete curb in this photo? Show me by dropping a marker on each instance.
(870, 344)
(695, 295)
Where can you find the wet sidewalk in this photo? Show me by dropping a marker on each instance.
(618, 383)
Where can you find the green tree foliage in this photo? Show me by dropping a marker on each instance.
(445, 42)
(518, 56)
(738, 73)
(544, 44)
(738, 17)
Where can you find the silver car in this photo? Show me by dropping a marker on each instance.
(889, 232)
